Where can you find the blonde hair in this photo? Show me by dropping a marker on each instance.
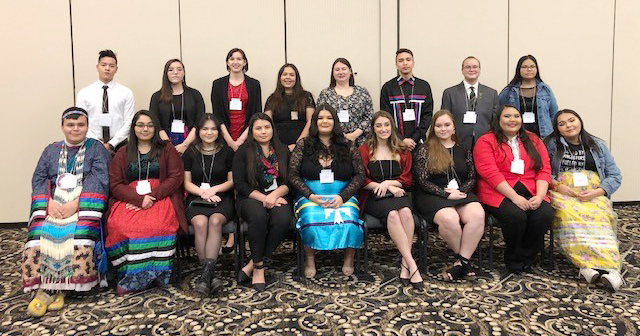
(395, 144)
(438, 158)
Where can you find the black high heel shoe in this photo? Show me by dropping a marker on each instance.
(243, 277)
(404, 281)
(417, 285)
(260, 286)
(457, 272)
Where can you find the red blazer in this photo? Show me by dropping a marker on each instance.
(171, 180)
(405, 178)
(493, 166)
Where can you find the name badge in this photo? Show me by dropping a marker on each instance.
(177, 126)
(235, 104)
(453, 184)
(343, 116)
(205, 186)
(529, 118)
(470, 117)
(326, 176)
(67, 181)
(409, 115)
(517, 166)
(143, 187)
(294, 115)
(273, 186)
(105, 120)
(580, 179)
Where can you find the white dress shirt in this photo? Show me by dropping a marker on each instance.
(121, 109)
(468, 86)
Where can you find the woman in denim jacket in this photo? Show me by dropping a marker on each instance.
(526, 84)
(584, 175)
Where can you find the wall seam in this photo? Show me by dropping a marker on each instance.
(398, 25)
(613, 64)
(284, 3)
(73, 62)
(508, 36)
(180, 26)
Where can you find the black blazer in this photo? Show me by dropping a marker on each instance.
(220, 99)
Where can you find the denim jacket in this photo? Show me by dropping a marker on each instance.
(545, 101)
(610, 176)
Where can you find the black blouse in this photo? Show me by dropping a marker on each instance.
(193, 108)
(240, 174)
(527, 105)
(289, 130)
(381, 170)
(436, 183)
(137, 172)
(576, 158)
(222, 165)
(302, 166)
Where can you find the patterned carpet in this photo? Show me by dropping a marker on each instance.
(547, 302)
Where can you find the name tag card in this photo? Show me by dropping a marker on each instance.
(409, 115)
(326, 176)
(205, 186)
(294, 115)
(273, 186)
(470, 117)
(67, 181)
(453, 184)
(143, 187)
(343, 116)
(105, 120)
(517, 166)
(235, 104)
(177, 126)
(580, 179)
(528, 118)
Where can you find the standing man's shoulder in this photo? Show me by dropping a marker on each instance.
(488, 89)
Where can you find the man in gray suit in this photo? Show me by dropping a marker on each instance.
(472, 104)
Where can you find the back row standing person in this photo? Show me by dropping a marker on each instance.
(409, 100)
(472, 104)
(110, 105)
(352, 102)
(534, 97)
(177, 106)
(235, 98)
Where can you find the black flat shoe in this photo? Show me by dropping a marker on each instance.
(227, 249)
(243, 277)
(260, 287)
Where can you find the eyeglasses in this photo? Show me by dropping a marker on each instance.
(469, 67)
(141, 125)
(525, 67)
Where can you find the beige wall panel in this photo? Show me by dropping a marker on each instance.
(388, 41)
(624, 128)
(449, 31)
(210, 30)
(316, 36)
(573, 43)
(143, 33)
(36, 52)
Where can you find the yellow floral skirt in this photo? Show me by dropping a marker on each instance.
(586, 231)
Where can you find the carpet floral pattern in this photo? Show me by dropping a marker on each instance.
(545, 302)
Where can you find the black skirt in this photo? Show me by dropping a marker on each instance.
(380, 208)
(429, 204)
(224, 207)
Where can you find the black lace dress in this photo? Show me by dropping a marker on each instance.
(430, 195)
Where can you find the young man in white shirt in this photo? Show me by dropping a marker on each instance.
(110, 105)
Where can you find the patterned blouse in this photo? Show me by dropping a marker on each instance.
(358, 104)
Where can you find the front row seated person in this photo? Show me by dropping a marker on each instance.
(513, 166)
(326, 171)
(209, 182)
(387, 164)
(69, 192)
(146, 208)
(446, 178)
(260, 178)
(585, 175)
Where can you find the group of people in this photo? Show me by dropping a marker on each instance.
(122, 185)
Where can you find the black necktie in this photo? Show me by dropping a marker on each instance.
(105, 109)
(472, 99)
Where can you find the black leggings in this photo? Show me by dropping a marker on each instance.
(267, 227)
(523, 231)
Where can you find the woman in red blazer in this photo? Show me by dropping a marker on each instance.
(387, 164)
(514, 170)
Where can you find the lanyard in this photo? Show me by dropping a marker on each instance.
(204, 171)
(533, 100)
(140, 168)
(382, 170)
(406, 103)
(453, 169)
(173, 111)
(574, 161)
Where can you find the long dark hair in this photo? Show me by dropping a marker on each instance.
(197, 143)
(523, 136)
(332, 82)
(157, 144)
(299, 95)
(339, 145)
(586, 138)
(517, 78)
(252, 147)
(244, 56)
(166, 93)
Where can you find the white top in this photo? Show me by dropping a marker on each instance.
(515, 147)
(121, 109)
(468, 87)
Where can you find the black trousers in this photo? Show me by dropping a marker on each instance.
(267, 227)
(523, 231)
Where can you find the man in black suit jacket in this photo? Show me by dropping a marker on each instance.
(472, 104)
